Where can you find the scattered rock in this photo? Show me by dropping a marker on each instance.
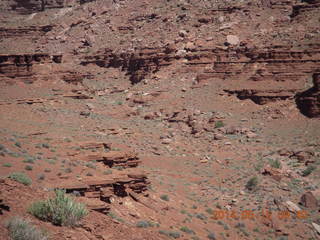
(84, 113)
(316, 227)
(308, 200)
(275, 173)
(251, 135)
(166, 141)
(183, 33)
(292, 207)
(90, 106)
(218, 136)
(233, 40)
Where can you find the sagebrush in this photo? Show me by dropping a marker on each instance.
(61, 210)
(21, 229)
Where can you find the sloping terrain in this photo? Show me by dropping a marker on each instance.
(167, 119)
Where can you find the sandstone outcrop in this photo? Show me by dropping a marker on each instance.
(26, 67)
(309, 101)
(99, 194)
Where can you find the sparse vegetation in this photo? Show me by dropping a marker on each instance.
(164, 197)
(275, 163)
(7, 165)
(211, 236)
(68, 170)
(171, 234)
(114, 216)
(28, 168)
(61, 210)
(107, 172)
(91, 165)
(308, 170)
(218, 124)
(45, 145)
(252, 184)
(21, 178)
(186, 230)
(21, 229)
(29, 160)
(145, 224)
(209, 210)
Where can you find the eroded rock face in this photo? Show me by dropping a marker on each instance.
(3, 207)
(100, 193)
(31, 6)
(23, 66)
(308, 102)
(28, 31)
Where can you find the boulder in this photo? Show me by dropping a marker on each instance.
(308, 200)
(233, 40)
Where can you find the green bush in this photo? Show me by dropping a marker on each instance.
(164, 197)
(144, 224)
(7, 165)
(29, 160)
(275, 163)
(20, 177)
(28, 168)
(252, 184)
(171, 234)
(219, 124)
(61, 210)
(186, 230)
(308, 170)
(20, 229)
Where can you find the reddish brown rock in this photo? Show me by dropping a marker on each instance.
(275, 173)
(95, 146)
(3, 207)
(26, 67)
(99, 193)
(308, 102)
(308, 200)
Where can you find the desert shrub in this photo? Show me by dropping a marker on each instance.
(28, 168)
(308, 170)
(61, 210)
(164, 197)
(107, 172)
(252, 184)
(211, 236)
(91, 165)
(20, 229)
(68, 170)
(29, 160)
(7, 165)
(186, 230)
(20, 177)
(144, 224)
(201, 216)
(219, 124)
(171, 234)
(209, 210)
(275, 163)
